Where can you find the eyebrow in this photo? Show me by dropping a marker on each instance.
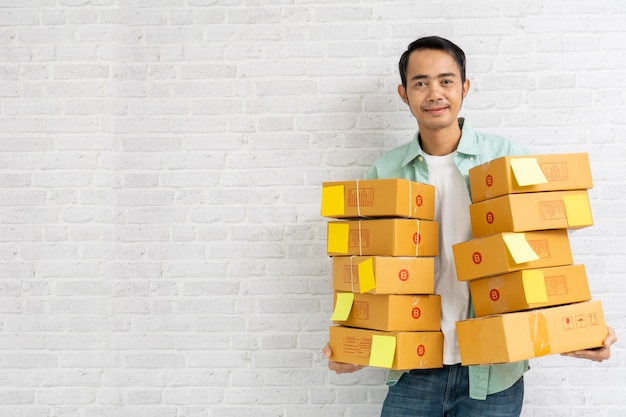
(442, 75)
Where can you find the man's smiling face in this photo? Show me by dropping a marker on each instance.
(434, 90)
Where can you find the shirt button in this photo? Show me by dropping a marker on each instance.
(471, 158)
(420, 158)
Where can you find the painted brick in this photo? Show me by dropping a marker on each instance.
(162, 249)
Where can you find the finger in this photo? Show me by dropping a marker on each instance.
(327, 351)
(340, 368)
(598, 354)
(343, 368)
(610, 339)
(611, 336)
(347, 369)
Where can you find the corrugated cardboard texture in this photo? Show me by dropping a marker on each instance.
(378, 198)
(563, 172)
(517, 336)
(395, 312)
(531, 211)
(384, 237)
(414, 350)
(392, 274)
(509, 292)
(489, 255)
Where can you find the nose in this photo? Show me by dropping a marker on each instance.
(435, 92)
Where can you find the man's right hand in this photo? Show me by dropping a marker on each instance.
(339, 367)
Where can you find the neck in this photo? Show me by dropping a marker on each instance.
(439, 142)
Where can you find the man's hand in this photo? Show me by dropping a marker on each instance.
(339, 367)
(598, 354)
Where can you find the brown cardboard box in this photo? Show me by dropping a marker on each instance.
(531, 211)
(562, 171)
(391, 274)
(528, 289)
(393, 197)
(394, 312)
(513, 337)
(492, 255)
(384, 237)
(413, 350)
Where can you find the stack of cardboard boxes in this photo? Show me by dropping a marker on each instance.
(529, 297)
(382, 248)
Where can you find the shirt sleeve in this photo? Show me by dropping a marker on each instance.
(372, 174)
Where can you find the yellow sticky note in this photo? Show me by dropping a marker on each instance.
(577, 210)
(527, 171)
(338, 235)
(343, 305)
(519, 248)
(383, 351)
(534, 286)
(332, 201)
(367, 282)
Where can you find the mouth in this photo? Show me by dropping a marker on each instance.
(436, 110)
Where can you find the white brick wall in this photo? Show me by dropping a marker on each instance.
(161, 248)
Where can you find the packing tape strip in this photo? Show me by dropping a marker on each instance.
(539, 333)
(417, 238)
(360, 242)
(358, 200)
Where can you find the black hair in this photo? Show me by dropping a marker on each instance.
(432, 42)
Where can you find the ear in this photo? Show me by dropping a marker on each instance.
(466, 87)
(402, 93)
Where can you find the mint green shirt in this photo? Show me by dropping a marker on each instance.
(407, 161)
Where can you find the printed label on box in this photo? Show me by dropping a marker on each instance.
(360, 310)
(550, 210)
(365, 197)
(359, 347)
(556, 171)
(541, 247)
(359, 240)
(350, 274)
(556, 285)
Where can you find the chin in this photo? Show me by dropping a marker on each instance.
(438, 123)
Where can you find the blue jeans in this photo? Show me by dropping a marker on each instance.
(444, 392)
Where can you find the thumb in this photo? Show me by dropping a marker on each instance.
(327, 352)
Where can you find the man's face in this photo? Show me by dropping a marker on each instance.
(434, 90)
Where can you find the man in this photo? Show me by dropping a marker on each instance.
(432, 72)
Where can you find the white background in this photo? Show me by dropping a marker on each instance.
(162, 251)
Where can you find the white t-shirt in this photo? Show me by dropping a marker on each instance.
(452, 212)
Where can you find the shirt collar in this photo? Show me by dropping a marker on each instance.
(467, 144)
